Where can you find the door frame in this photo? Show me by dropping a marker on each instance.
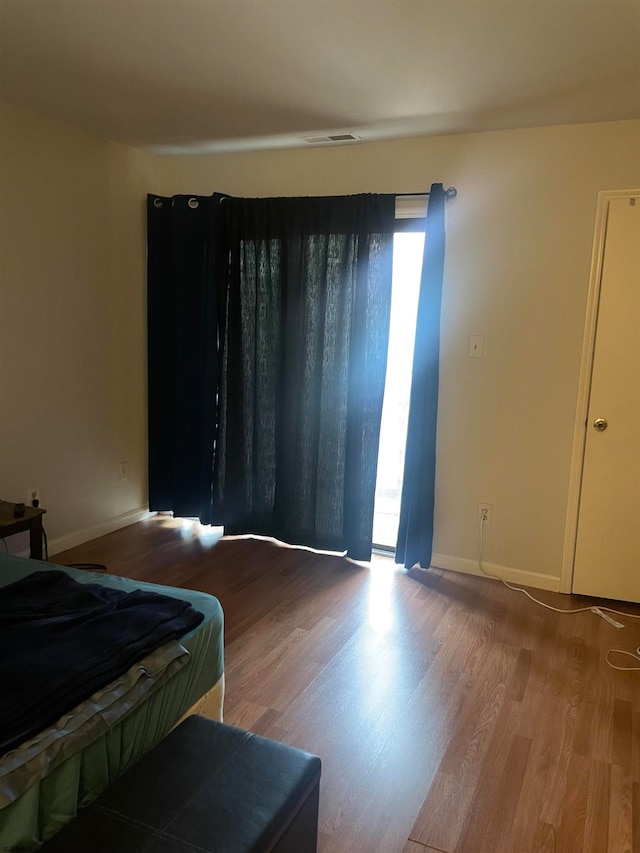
(584, 382)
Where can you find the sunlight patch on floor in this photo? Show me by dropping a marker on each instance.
(206, 533)
(381, 602)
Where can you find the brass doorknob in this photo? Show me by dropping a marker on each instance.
(600, 424)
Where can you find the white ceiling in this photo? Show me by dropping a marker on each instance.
(220, 75)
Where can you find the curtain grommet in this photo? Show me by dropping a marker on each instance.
(193, 203)
(157, 202)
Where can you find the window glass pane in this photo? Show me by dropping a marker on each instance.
(407, 265)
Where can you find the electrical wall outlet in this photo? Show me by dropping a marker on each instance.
(32, 495)
(124, 470)
(484, 513)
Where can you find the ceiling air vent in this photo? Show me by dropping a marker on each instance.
(334, 137)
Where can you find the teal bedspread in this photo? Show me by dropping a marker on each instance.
(73, 777)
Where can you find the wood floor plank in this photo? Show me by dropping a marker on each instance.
(544, 840)
(354, 707)
(635, 743)
(521, 676)
(496, 796)
(411, 753)
(452, 715)
(571, 833)
(537, 722)
(443, 813)
(527, 823)
(622, 733)
(596, 832)
(560, 720)
(412, 847)
(415, 847)
(620, 811)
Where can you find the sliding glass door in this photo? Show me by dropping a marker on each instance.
(407, 265)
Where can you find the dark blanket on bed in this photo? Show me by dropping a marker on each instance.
(61, 640)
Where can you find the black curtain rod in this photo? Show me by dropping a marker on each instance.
(451, 193)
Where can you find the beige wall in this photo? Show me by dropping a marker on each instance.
(518, 252)
(72, 321)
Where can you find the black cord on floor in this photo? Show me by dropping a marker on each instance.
(90, 567)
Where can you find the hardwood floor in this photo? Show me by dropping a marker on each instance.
(451, 714)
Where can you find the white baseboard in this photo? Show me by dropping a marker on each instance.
(79, 537)
(517, 576)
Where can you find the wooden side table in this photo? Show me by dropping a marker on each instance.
(31, 521)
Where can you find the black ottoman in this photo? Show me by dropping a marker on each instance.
(205, 787)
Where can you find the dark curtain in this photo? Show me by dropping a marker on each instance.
(304, 291)
(182, 354)
(415, 532)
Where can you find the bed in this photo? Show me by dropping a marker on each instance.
(44, 781)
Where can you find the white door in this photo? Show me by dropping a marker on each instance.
(607, 557)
